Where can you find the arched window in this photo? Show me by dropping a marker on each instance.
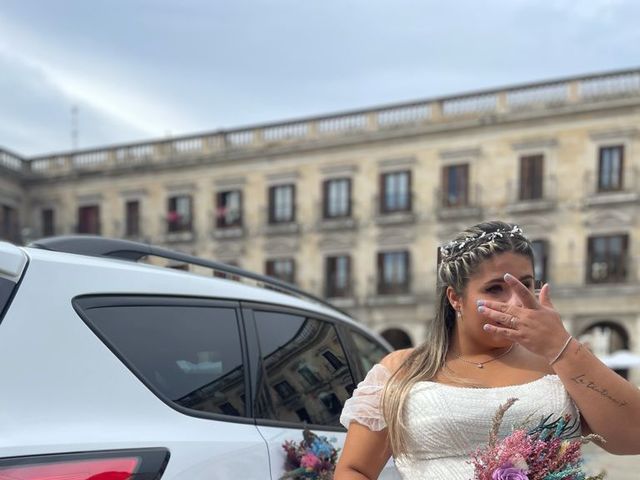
(604, 338)
(397, 337)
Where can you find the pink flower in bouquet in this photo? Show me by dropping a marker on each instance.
(309, 461)
(518, 461)
(509, 472)
(313, 458)
(546, 451)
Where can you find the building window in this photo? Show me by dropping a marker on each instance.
(393, 272)
(89, 219)
(338, 276)
(303, 415)
(334, 361)
(180, 214)
(397, 337)
(282, 269)
(455, 185)
(282, 204)
(607, 259)
(310, 377)
(9, 224)
(540, 256)
(48, 222)
(284, 389)
(610, 168)
(132, 216)
(337, 198)
(531, 169)
(229, 209)
(332, 403)
(395, 192)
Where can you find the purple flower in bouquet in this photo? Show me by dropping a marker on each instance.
(509, 472)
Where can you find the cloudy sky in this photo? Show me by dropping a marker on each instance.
(142, 69)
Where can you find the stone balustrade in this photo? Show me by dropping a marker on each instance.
(545, 96)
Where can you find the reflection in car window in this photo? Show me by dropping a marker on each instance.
(369, 352)
(307, 375)
(191, 354)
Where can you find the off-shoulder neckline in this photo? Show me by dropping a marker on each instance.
(547, 376)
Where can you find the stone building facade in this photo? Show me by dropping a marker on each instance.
(352, 206)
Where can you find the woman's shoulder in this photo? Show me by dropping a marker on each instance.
(394, 360)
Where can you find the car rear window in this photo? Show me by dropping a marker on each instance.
(190, 355)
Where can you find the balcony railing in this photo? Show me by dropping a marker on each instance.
(281, 227)
(397, 209)
(519, 201)
(130, 232)
(446, 208)
(619, 85)
(12, 161)
(220, 230)
(628, 191)
(335, 222)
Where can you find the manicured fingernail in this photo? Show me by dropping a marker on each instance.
(508, 276)
(486, 327)
(480, 308)
(480, 302)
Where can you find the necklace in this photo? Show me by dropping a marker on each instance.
(481, 364)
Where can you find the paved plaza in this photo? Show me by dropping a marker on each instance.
(618, 467)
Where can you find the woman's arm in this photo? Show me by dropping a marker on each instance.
(364, 455)
(609, 404)
(365, 451)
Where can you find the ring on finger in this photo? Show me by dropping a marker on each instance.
(512, 322)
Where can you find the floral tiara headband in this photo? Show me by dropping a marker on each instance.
(455, 247)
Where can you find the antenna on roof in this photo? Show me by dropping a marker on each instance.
(74, 127)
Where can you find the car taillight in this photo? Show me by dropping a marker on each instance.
(113, 469)
(144, 464)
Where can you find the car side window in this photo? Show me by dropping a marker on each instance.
(369, 351)
(191, 355)
(306, 371)
(6, 289)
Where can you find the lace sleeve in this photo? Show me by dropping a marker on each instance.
(364, 406)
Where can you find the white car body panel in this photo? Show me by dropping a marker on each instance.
(70, 406)
(84, 414)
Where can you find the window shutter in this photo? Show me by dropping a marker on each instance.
(464, 185)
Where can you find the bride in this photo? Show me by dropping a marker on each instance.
(431, 407)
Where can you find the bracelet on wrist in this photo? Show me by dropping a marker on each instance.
(564, 347)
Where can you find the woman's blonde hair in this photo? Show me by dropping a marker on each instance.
(460, 260)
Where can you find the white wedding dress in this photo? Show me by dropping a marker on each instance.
(446, 424)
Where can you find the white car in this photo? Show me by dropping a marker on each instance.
(113, 369)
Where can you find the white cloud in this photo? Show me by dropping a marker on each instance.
(147, 67)
(86, 80)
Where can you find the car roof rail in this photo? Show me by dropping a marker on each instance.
(96, 246)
